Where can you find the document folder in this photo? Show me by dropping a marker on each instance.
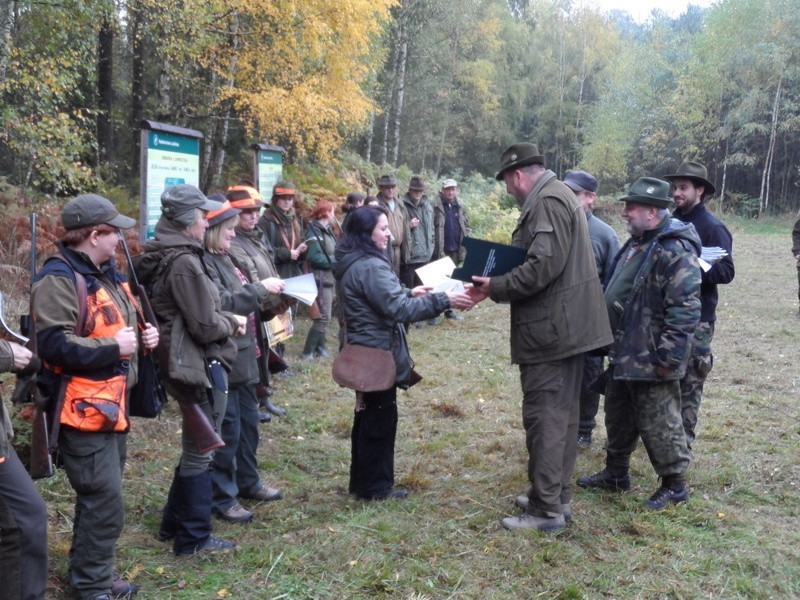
(488, 259)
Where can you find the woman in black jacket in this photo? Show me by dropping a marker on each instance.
(375, 306)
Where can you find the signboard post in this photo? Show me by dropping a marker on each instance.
(170, 156)
(267, 167)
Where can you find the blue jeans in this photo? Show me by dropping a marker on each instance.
(234, 470)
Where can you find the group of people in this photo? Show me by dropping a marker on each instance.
(648, 307)
(215, 272)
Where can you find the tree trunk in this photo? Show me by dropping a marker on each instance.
(724, 173)
(400, 87)
(7, 12)
(105, 87)
(763, 199)
(219, 136)
(138, 49)
(387, 110)
(370, 137)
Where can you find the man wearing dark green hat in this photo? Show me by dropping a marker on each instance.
(691, 187)
(653, 302)
(398, 222)
(556, 316)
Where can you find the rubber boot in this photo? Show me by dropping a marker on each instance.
(193, 496)
(169, 520)
(311, 344)
(321, 349)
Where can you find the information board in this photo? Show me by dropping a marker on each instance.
(268, 168)
(170, 156)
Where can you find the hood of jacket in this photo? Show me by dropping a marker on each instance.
(676, 229)
(344, 259)
(168, 237)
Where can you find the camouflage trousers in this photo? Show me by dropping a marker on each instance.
(700, 363)
(650, 410)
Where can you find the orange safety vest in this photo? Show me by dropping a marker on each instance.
(98, 405)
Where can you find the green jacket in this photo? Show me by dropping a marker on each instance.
(658, 319)
(319, 260)
(419, 243)
(557, 307)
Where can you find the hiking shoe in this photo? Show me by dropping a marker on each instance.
(212, 544)
(605, 481)
(584, 441)
(264, 417)
(235, 514)
(264, 494)
(524, 501)
(451, 314)
(665, 496)
(121, 588)
(526, 521)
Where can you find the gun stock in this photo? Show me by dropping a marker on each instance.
(41, 460)
(199, 427)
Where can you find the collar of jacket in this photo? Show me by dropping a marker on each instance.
(694, 212)
(543, 180)
(81, 263)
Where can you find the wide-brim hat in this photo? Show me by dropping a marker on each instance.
(244, 197)
(519, 155)
(87, 210)
(416, 184)
(387, 181)
(697, 173)
(649, 191)
(226, 211)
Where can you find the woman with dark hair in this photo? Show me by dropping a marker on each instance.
(353, 201)
(375, 306)
(321, 243)
(235, 467)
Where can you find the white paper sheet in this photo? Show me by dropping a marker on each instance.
(303, 288)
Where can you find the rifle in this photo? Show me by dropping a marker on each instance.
(197, 423)
(41, 460)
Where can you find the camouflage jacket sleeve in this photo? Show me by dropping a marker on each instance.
(677, 274)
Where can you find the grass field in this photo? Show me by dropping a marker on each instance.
(460, 449)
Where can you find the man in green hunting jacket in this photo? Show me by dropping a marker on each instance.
(556, 315)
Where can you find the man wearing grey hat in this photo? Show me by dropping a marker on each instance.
(451, 226)
(691, 187)
(605, 245)
(556, 316)
(653, 302)
(91, 365)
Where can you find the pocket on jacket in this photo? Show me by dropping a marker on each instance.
(538, 335)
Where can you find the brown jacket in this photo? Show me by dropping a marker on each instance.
(557, 306)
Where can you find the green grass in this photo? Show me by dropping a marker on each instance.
(460, 448)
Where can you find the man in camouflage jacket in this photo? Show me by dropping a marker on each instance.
(653, 302)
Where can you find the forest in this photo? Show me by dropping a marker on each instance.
(440, 87)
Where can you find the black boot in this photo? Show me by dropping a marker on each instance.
(193, 497)
(169, 521)
(321, 349)
(311, 344)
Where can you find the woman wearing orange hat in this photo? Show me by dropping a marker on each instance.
(235, 467)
